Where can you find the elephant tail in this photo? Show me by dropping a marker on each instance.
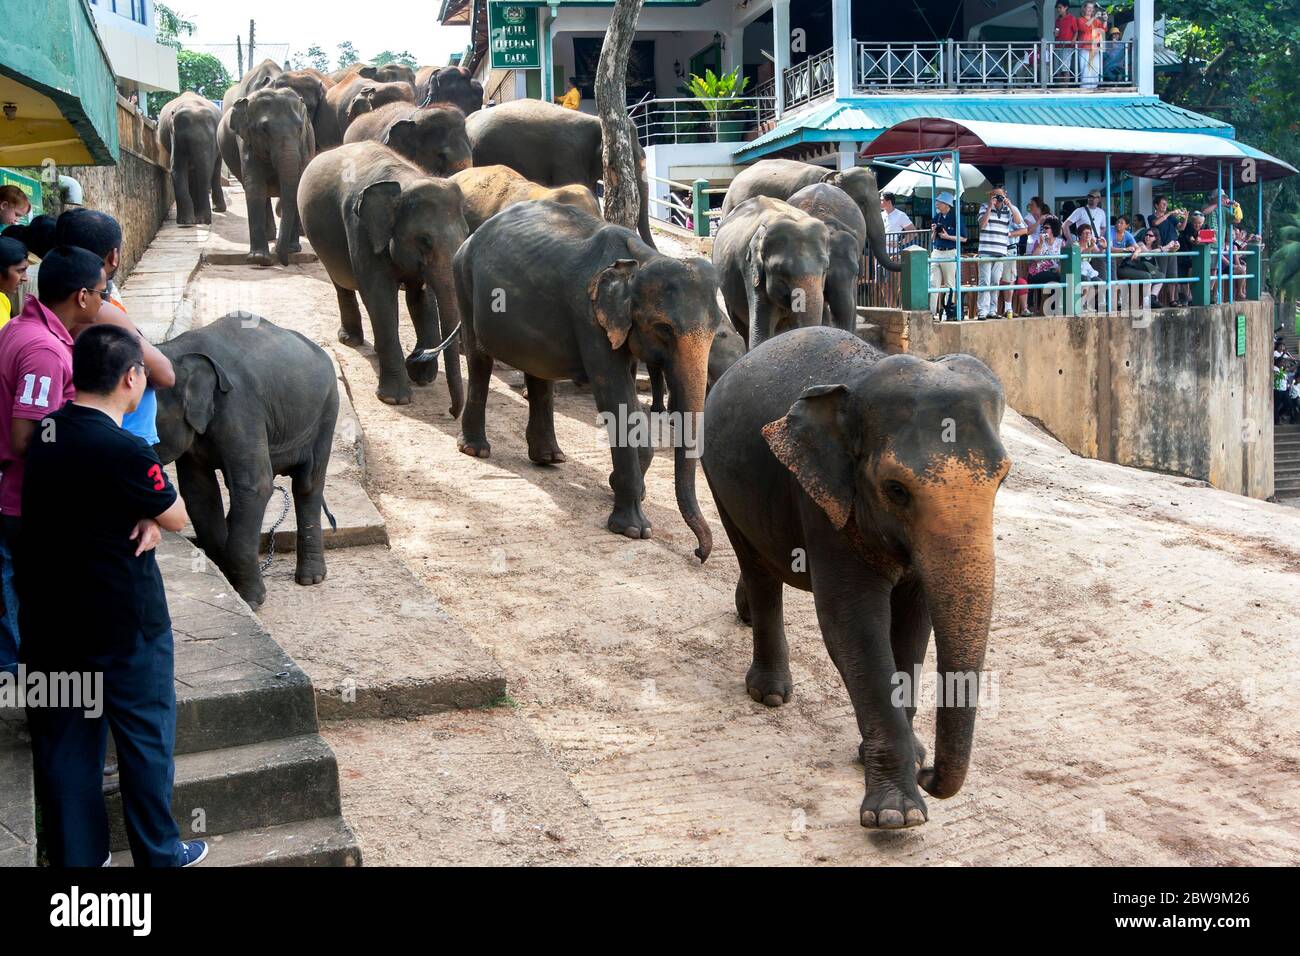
(334, 525)
(425, 356)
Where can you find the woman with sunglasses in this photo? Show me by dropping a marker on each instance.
(1142, 265)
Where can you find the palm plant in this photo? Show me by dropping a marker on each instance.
(715, 91)
(1286, 260)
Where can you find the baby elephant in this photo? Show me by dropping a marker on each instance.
(868, 480)
(772, 261)
(490, 189)
(251, 401)
(431, 137)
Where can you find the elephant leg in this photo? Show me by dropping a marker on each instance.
(218, 197)
(268, 215)
(424, 316)
(473, 422)
(350, 329)
(614, 389)
(768, 679)
(199, 199)
(181, 190)
(202, 494)
(250, 490)
(909, 635)
(259, 248)
(308, 497)
(853, 608)
(543, 449)
(379, 294)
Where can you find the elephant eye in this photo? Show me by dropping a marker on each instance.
(896, 493)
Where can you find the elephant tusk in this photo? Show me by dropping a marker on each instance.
(425, 356)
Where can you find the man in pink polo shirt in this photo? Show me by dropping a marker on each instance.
(36, 380)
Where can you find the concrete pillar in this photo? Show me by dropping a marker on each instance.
(1142, 201)
(842, 44)
(548, 54)
(846, 155)
(781, 48)
(734, 55)
(1144, 40)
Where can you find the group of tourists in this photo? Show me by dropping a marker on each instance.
(1089, 48)
(83, 504)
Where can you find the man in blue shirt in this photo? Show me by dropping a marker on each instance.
(946, 235)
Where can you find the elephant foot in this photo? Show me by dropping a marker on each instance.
(295, 246)
(187, 221)
(628, 520)
(742, 603)
(612, 488)
(917, 747)
(545, 452)
(310, 570)
(885, 808)
(481, 448)
(771, 686)
(421, 371)
(258, 258)
(353, 339)
(205, 220)
(219, 207)
(253, 592)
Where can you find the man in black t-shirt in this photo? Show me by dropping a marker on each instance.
(91, 601)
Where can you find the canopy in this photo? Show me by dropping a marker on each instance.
(1187, 158)
(922, 178)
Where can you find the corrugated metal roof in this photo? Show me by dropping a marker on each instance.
(861, 119)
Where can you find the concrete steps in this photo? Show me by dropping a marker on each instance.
(1286, 461)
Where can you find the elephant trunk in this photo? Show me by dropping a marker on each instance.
(643, 190)
(687, 381)
(288, 170)
(876, 236)
(449, 319)
(956, 566)
(814, 301)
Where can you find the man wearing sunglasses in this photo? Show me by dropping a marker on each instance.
(36, 380)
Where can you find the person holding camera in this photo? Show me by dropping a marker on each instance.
(1168, 224)
(945, 237)
(996, 219)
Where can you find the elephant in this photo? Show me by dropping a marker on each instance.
(312, 87)
(252, 81)
(870, 481)
(379, 223)
(560, 294)
(448, 84)
(840, 213)
(432, 138)
(490, 189)
(772, 260)
(354, 95)
(388, 73)
(551, 146)
(726, 350)
(187, 127)
(782, 178)
(252, 400)
(267, 141)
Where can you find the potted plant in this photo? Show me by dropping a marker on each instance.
(716, 93)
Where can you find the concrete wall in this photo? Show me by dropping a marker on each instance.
(1169, 394)
(137, 192)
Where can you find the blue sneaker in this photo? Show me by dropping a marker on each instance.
(193, 852)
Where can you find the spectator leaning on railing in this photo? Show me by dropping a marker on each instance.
(896, 221)
(1067, 37)
(1048, 243)
(997, 218)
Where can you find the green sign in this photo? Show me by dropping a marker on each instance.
(1241, 335)
(29, 186)
(513, 37)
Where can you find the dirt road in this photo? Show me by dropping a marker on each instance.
(1143, 656)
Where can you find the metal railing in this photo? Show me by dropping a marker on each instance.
(765, 93)
(957, 64)
(665, 122)
(810, 80)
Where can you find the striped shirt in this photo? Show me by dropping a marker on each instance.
(994, 234)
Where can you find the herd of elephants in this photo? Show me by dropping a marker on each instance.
(867, 479)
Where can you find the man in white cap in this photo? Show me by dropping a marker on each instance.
(945, 237)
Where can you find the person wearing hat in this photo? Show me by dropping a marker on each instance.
(945, 236)
(1113, 57)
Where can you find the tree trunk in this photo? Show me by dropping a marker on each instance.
(622, 198)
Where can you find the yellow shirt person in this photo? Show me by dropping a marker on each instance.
(572, 99)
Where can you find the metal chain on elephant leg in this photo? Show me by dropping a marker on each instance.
(270, 546)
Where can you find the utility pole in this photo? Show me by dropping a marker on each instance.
(622, 196)
(252, 43)
(239, 53)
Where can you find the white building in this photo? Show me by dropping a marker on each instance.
(129, 30)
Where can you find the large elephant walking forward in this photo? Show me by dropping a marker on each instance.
(869, 481)
(549, 145)
(251, 401)
(379, 223)
(782, 178)
(848, 235)
(187, 127)
(560, 294)
(267, 141)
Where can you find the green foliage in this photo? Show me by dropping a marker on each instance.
(347, 55)
(172, 26)
(202, 73)
(1286, 260)
(714, 91)
(403, 58)
(317, 59)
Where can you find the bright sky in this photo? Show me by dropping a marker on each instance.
(371, 25)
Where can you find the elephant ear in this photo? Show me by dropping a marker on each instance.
(611, 301)
(239, 116)
(200, 380)
(369, 72)
(363, 102)
(377, 210)
(811, 443)
(756, 271)
(399, 134)
(835, 178)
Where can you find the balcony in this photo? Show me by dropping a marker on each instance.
(955, 65)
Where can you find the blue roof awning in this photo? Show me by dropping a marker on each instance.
(861, 119)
